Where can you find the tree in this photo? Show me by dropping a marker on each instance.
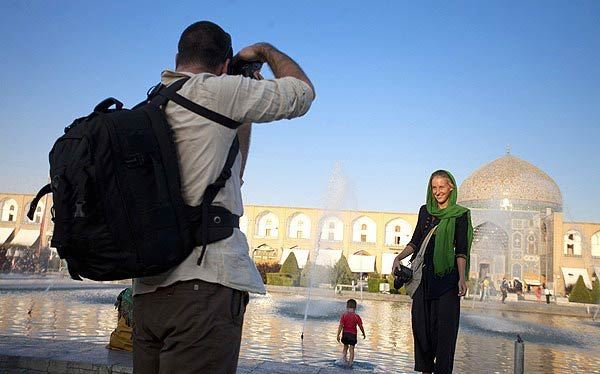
(580, 293)
(290, 266)
(596, 291)
(341, 273)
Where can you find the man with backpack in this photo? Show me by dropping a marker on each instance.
(189, 318)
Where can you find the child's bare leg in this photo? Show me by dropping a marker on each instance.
(345, 352)
(351, 358)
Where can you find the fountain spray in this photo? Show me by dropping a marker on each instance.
(334, 199)
(310, 283)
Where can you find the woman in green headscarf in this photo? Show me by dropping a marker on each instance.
(445, 268)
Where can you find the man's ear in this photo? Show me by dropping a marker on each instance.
(225, 67)
(176, 60)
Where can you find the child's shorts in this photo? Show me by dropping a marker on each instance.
(349, 338)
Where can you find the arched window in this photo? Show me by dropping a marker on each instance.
(364, 230)
(9, 210)
(397, 232)
(531, 245)
(572, 243)
(299, 226)
(544, 233)
(332, 229)
(267, 225)
(596, 246)
(517, 240)
(37, 216)
(264, 253)
(363, 233)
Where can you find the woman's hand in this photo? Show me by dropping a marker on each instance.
(407, 251)
(462, 287)
(396, 263)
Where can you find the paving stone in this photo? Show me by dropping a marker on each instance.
(57, 367)
(33, 363)
(120, 369)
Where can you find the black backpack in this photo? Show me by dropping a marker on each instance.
(118, 210)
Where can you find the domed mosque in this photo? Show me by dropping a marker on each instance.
(519, 232)
(510, 183)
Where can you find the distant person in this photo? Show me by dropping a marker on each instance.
(519, 289)
(442, 243)
(538, 294)
(189, 319)
(504, 289)
(547, 293)
(347, 328)
(485, 289)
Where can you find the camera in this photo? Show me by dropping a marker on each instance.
(237, 66)
(402, 275)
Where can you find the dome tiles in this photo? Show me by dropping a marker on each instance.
(510, 182)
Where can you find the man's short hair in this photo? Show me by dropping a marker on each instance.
(204, 43)
(351, 304)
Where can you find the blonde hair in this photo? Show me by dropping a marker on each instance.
(441, 174)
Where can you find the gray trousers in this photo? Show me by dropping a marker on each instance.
(188, 327)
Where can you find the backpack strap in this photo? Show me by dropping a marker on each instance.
(41, 193)
(170, 93)
(211, 192)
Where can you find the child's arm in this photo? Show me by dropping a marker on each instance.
(340, 327)
(362, 330)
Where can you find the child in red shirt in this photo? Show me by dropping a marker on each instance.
(348, 323)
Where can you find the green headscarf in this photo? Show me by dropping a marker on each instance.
(443, 253)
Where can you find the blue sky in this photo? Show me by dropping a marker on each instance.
(403, 89)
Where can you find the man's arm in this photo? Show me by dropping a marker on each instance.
(244, 132)
(281, 64)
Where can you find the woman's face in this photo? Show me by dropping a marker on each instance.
(441, 190)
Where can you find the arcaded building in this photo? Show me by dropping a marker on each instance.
(517, 213)
(369, 240)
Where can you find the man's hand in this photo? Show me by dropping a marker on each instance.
(462, 287)
(281, 65)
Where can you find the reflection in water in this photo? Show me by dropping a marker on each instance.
(273, 325)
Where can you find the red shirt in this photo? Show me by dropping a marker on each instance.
(349, 321)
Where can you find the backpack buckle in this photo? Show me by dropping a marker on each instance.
(79, 213)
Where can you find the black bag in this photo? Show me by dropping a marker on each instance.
(402, 275)
(118, 210)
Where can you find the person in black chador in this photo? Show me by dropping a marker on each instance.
(440, 247)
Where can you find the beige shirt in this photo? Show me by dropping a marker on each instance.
(202, 147)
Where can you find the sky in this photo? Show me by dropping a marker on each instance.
(403, 89)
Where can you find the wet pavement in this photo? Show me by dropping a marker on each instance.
(72, 323)
(22, 355)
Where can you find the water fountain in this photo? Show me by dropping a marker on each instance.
(335, 199)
